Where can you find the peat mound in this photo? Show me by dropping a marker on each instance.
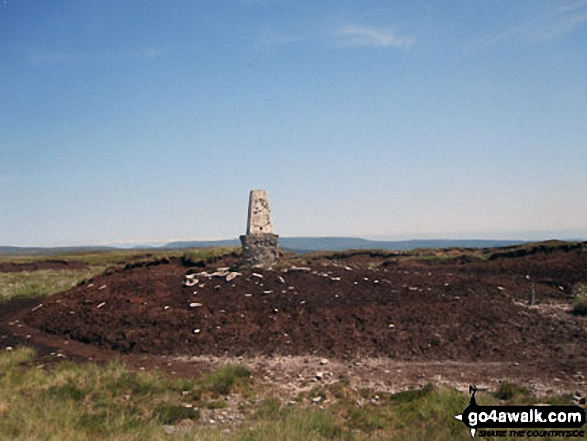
(334, 308)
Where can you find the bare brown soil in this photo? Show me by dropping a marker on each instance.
(439, 317)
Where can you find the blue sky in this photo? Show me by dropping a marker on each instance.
(150, 121)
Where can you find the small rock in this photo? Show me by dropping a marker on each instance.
(196, 331)
(391, 326)
(299, 268)
(9, 348)
(260, 276)
(280, 280)
(319, 375)
(323, 361)
(195, 305)
(232, 276)
(101, 304)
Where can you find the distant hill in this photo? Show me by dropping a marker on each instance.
(294, 244)
(203, 243)
(308, 244)
(51, 250)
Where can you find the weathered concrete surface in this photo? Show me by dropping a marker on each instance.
(260, 245)
(259, 220)
(260, 249)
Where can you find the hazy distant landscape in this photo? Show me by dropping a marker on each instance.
(294, 244)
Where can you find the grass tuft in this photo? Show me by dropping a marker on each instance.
(580, 298)
(510, 391)
(224, 379)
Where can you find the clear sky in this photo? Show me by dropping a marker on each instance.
(149, 121)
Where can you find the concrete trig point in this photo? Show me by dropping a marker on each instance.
(259, 244)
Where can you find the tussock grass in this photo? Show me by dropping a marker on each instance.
(580, 298)
(225, 379)
(43, 282)
(86, 401)
(83, 402)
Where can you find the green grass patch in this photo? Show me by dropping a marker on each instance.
(580, 298)
(225, 379)
(508, 391)
(174, 413)
(43, 282)
(83, 402)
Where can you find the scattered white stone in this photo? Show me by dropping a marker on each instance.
(232, 276)
(268, 292)
(501, 288)
(260, 276)
(317, 400)
(248, 295)
(193, 282)
(299, 268)
(222, 268)
(166, 307)
(102, 287)
(391, 326)
(195, 305)
(196, 331)
(37, 307)
(348, 268)
(9, 348)
(281, 280)
(101, 304)
(335, 279)
(323, 361)
(190, 276)
(319, 376)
